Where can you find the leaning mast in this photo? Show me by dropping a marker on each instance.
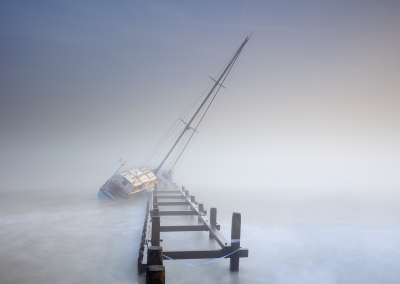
(217, 82)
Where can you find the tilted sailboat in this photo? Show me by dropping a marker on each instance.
(137, 181)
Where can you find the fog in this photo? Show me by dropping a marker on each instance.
(312, 102)
(49, 236)
(54, 236)
(304, 142)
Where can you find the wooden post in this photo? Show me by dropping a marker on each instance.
(154, 199)
(155, 212)
(155, 274)
(200, 209)
(183, 188)
(235, 241)
(155, 207)
(193, 201)
(213, 218)
(154, 255)
(155, 187)
(155, 231)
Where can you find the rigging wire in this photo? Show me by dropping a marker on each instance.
(165, 144)
(215, 72)
(163, 140)
(198, 95)
(180, 148)
(159, 144)
(222, 94)
(205, 112)
(217, 85)
(201, 93)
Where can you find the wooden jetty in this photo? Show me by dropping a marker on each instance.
(151, 254)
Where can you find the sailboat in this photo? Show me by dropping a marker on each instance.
(128, 184)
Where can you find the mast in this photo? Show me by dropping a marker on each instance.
(217, 82)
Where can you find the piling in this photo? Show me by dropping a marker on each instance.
(201, 210)
(213, 219)
(151, 254)
(155, 274)
(154, 255)
(192, 199)
(213, 216)
(235, 240)
(155, 211)
(155, 231)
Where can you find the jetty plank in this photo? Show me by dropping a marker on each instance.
(201, 254)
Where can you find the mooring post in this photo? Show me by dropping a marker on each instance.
(154, 199)
(155, 212)
(155, 187)
(213, 219)
(235, 241)
(213, 216)
(155, 206)
(155, 274)
(155, 231)
(200, 209)
(183, 188)
(154, 255)
(192, 200)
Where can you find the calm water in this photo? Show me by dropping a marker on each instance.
(68, 236)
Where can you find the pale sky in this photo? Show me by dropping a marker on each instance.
(313, 102)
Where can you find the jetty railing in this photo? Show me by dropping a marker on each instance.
(152, 230)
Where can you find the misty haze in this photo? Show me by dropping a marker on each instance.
(303, 142)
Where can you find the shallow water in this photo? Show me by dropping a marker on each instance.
(56, 238)
(68, 236)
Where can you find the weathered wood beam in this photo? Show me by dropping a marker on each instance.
(168, 192)
(172, 203)
(177, 212)
(215, 233)
(183, 228)
(235, 239)
(169, 196)
(197, 254)
(213, 227)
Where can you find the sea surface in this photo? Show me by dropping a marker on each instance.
(293, 236)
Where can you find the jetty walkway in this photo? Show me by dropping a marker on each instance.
(152, 254)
